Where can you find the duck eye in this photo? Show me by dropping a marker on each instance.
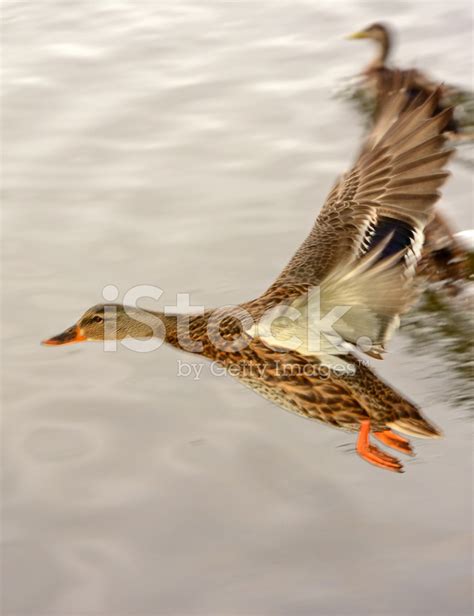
(97, 319)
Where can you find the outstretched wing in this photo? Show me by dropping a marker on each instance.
(390, 190)
(362, 252)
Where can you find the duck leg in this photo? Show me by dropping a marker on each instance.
(389, 438)
(373, 454)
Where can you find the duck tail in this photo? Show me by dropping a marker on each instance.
(387, 407)
(408, 419)
(416, 426)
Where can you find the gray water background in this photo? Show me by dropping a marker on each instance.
(190, 145)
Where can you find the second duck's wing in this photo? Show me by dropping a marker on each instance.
(390, 190)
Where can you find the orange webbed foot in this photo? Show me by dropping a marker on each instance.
(389, 438)
(373, 454)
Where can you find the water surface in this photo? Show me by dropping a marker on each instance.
(190, 145)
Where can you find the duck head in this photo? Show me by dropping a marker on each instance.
(110, 322)
(380, 34)
(376, 32)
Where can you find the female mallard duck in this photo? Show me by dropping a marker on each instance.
(444, 258)
(359, 262)
(377, 73)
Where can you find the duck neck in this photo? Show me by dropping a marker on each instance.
(187, 332)
(384, 47)
(184, 331)
(144, 324)
(172, 325)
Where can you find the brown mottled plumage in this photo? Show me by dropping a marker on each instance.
(361, 254)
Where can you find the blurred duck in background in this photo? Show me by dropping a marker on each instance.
(446, 254)
(419, 85)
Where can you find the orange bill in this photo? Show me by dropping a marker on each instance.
(69, 336)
